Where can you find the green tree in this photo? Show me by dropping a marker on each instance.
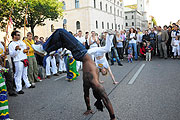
(38, 11)
(5, 11)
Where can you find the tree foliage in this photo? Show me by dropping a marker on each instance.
(38, 11)
(5, 11)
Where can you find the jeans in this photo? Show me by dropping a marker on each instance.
(134, 49)
(114, 53)
(63, 39)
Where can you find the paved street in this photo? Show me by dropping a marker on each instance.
(153, 95)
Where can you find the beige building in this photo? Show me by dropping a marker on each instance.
(88, 15)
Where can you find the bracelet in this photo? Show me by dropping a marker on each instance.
(112, 116)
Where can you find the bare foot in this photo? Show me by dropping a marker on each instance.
(88, 112)
(101, 82)
(115, 83)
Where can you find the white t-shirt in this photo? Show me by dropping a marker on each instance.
(131, 36)
(17, 55)
(119, 44)
(81, 39)
(102, 63)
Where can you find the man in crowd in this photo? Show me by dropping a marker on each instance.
(18, 50)
(162, 38)
(8, 75)
(152, 38)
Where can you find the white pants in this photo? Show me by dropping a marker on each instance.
(105, 49)
(78, 65)
(53, 67)
(176, 50)
(20, 72)
(62, 66)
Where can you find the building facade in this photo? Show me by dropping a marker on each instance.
(136, 16)
(88, 15)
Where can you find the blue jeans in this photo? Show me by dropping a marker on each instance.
(134, 46)
(63, 39)
(114, 53)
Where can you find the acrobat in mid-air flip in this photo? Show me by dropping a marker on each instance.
(63, 39)
(100, 59)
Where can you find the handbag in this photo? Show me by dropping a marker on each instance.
(25, 62)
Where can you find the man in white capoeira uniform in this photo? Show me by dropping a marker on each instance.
(100, 59)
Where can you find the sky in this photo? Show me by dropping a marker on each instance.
(164, 11)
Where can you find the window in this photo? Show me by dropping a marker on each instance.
(64, 5)
(78, 25)
(132, 16)
(126, 24)
(132, 23)
(112, 25)
(96, 24)
(118, 12)
(122, 27)
(110, 9)
(94, 3)
(119, 27)
(115, 26)
(64, 23)
(114, 11)
(126, 17)
(101, 5)
(121, 13)
(76, 3)
(106, 8)
(118, 3)
(102, 25)
(107, 25)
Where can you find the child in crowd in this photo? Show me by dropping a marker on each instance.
(148, 51)
(130, 56)
(175, 47)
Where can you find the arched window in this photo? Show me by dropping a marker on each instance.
(96, 24)
(76, 3)
(132, 23)
(106, 8)
(94, 3)
(78, 25)
(107, 25)
(110, 9)
(126, 24)
(64, 7)
(102, 25)
(64, 23)
(101, 5)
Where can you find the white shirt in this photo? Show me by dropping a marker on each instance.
(132, 40)
(81, 39)
(102, 63)
(1, 49)
(17, 55)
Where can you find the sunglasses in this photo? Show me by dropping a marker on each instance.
(18, 35)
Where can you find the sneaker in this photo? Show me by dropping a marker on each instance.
(32, 86)
(56, 74)
(48, 77)
(120, 64)
(20, 92)
(12, 94)
(39, 49)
